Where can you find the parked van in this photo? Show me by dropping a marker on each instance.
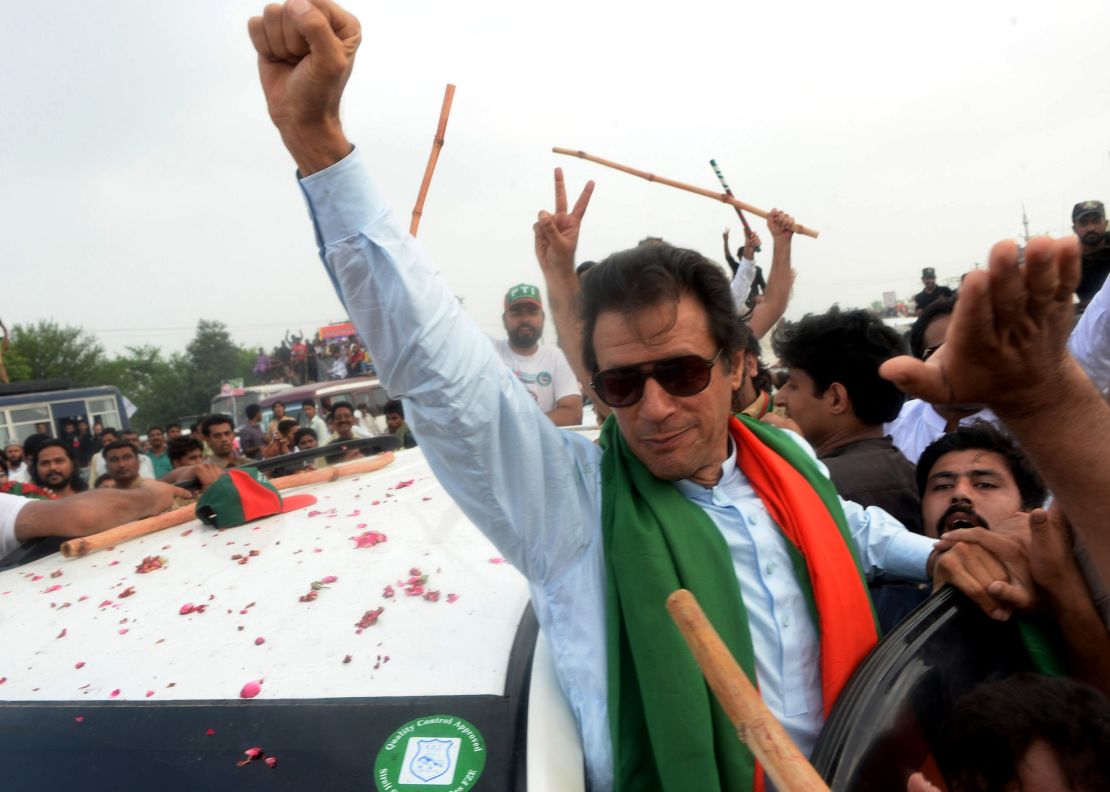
(354, 391)
(25, 406)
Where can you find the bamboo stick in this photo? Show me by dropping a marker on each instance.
(437, 145)
(75, 548)
(728, 192)
(755, 725)
(722, 197)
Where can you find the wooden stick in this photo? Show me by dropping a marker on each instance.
(755, 725)
(437, 144)
(722, 197)
(75, 548)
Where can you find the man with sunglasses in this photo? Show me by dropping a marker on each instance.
(676, 495)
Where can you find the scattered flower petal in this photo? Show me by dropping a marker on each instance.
(432, 596)
(346, 659)
(80, 664)
(388, 593)
(57, 573)
(259, 641)
(51, 589)
(127, 592)
(370, 618)
(369, 539)
(123, 631)
(250, 690)
(271, 761)
(329, 579)
(114, 693)
(403, 484)
(149, 693)
(187, 608)
(210, 732)
(497, 560)
(151, 563)
(451, 598)
(62, 634)
(80, 719)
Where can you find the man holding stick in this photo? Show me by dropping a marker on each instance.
(679, 495)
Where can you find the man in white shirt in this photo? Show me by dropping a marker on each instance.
(17, 467)
(545, 372)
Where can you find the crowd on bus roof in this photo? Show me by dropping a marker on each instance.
(299, 360)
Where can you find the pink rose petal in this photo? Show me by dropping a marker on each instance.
(80, 664)
(259, 641)
(250, 690)
(52, 589)
(80, 719)
(271, 761)
(210, 732)
(452, 598)
(114, 693)
(497, 560)
(329, 579)
(149, 693)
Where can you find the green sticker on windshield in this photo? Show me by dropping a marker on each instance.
(439, 751)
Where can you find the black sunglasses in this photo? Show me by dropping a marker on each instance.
(686, 375)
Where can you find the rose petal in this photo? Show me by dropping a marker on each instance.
(149, 693)
(271, 761)
(62, 634)
(497, 560)
(52, 589)
(259, 641)
(80, 719)
(114, 693)
(452, 598)
(329, 579)
(210, 732)
(250, 690)
(80, 664)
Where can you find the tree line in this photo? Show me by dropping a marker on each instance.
(163, 388)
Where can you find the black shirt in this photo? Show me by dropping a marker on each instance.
(923, 298)
(874, 473)
(1096, 265)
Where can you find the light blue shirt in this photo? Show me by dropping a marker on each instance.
(535, 490)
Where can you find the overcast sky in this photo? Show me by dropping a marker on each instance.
(145, 188)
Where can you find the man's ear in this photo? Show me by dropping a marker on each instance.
(736, 373)
(836, 396)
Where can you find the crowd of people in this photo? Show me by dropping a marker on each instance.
(298, 360)
(810, 498)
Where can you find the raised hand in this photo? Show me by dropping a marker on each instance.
(306, 50)
(1006, 344)
(781, 225)
(751, 244)
(557, 234)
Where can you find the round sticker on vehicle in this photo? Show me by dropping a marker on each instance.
(439, 751)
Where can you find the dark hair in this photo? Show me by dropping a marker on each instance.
(337, 405)
(302, 433)
(180, 447)
(252, 410)
(279, 401)
(150, 429)
(982, 436)
(657, 272)
(395, 407)
(4, 463)
(173, 425)
(285, 424)
(942, 306)
(31, 444)
(846, 347)
(992, 728)
(762, 379)
(308, 403)
(216, 420)
(115, 444)
(109, 430)
(77, 482)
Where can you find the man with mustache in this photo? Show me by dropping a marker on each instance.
(545, 372)
(54, 466)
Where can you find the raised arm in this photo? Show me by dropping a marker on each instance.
(529, 486)
(1006, 347)
(781, 280)
(556, 236)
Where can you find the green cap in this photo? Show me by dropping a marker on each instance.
(243, 494)
(523, 292)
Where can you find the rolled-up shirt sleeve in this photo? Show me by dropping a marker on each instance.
(525, 484)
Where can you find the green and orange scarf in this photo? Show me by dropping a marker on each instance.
(668, 731)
